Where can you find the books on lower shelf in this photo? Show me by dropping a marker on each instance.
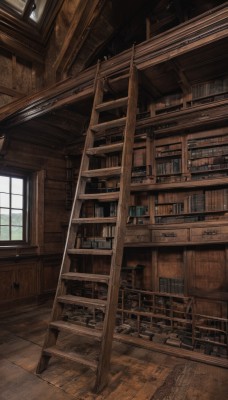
(171, 285)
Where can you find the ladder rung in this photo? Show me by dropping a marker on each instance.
(109, 196)
(77, 276)
(110, 105)
(95, 220)
(76, 329)
(82, 301)
(109, 124)
(109, 148)
(95, 252)
(53, 351)
(102, 172)
(117, 78)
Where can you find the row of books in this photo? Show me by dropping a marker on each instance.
(102, 185)
(209, 167)
(163, 154)
(171, 285)
(99, 210)
(168, 178)
(138, 171)
(209, 88)
(210, 141)
(138, 211)
(164, 209)
(172, 166)
(98, 230)
(209, 151)
(209, 200)
(96, 243)
(179, 219)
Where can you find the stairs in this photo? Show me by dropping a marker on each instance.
(108, 231)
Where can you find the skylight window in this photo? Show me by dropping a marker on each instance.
(38, 10)
(17, 5)
(30, 10)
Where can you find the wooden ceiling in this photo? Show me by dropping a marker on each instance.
(56, 123)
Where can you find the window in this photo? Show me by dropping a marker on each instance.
(33, 9)
(13, 209)
(17, 5)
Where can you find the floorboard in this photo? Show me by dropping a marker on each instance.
(136, 374)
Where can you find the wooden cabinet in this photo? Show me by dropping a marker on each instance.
(198, 234)
(137, 234)
(211, 233)
(7, 281)
(27, 280)
(169, 236)
(18, 281)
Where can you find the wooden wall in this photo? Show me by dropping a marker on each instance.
(31, 271)
(18, 77)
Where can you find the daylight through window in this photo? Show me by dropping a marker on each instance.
(12, 208)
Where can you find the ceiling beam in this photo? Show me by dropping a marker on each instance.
(181, 77)
(11, 92)
(84, 18)
(148, 86)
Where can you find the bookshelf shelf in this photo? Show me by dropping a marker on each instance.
(177, 227)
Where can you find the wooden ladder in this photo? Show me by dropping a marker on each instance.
(73, 249)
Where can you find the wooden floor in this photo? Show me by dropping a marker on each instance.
(135, 373)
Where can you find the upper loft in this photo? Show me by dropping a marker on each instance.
(175, 61)
(61, 37)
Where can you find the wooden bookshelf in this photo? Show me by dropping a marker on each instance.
(168, 161)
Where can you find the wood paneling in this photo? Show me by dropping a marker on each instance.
(7, 275)
(170, 263)
(208, 270)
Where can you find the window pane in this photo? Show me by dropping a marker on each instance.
(4, 184)
(4, 233)
(4, 200)
(12, 208)
(17, 186)
(17, 217)
(18, 5)
(38, 11)
(4, 216)
(17, 201)
(16, 233)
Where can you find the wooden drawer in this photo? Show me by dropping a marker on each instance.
(169, 235)
(137, 234)
(209, 234)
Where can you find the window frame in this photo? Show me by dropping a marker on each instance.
(26, 210)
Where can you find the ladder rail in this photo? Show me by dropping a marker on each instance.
(122, 196)
(118, 246)
(51, 338)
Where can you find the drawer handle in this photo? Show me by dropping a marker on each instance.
(170, 234)
(210, 233)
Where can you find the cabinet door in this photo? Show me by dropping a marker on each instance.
(7, 279)
(26, 282)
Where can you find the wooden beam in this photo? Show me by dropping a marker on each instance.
(182, 79)
(11, 92)
(26, 51)
(24, 35)
(84, 18)
(148, 86)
